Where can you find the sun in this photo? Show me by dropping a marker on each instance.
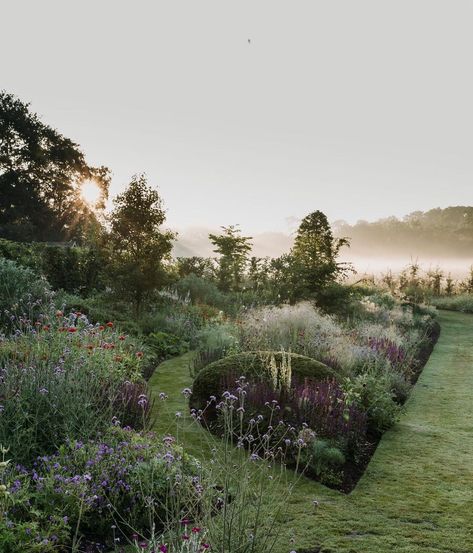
(90, 192)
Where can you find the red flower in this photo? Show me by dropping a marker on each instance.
(101, 327)
(139, 354)
(46, 327)
(196, 530)
(78, 313)
(185, 537)
(122, 337)
(72, 329)
(110, 325)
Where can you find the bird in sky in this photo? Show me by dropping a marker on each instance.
(249, 41)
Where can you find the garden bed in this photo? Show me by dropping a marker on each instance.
(339, 415)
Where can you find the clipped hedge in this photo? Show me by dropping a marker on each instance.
(251, 364)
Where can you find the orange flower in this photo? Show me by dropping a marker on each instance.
(110, 324)
(59, 313)
(46, 327)
(118, 358)
(90, 346)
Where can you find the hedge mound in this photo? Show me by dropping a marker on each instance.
(251, 364)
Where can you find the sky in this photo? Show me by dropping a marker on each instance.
(257, 112)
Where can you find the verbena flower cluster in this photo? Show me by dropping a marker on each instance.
(63, 377)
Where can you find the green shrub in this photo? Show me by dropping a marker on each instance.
(373, 394)
(201, 290)
(165, 345)
(25, 254)
(253, 365)
(324, 460)
(22, 292)
(461, 302)
(74, 269)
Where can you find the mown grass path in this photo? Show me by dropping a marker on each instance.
(417, 493)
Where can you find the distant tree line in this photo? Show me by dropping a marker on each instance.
(439, 232)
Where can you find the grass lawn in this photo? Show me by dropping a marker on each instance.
(417, 493)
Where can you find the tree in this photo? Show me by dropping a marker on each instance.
(41, 174)
(139, 247)
(315, 254)
(234, 250)
(203, 267)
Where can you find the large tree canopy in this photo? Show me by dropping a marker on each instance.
(139, 246)
(41, 175)
(315, 253)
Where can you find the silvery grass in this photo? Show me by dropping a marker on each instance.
(348, 347)
(244, 485)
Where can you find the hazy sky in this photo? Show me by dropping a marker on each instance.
(362, 109)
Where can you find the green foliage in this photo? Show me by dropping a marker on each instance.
(165, 345)
(62, 378)
(22, 292)
(253, 365)
(215, 342)
(460, 302)
(98, 490)
(201, 267)
(78, 270)
(27, 255)
(201, 290)
(324, 460)
(233, 250)
(41, 173)
(373, 394)
(138, 245)
(315, 251)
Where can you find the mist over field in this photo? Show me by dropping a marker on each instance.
(439, 238)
